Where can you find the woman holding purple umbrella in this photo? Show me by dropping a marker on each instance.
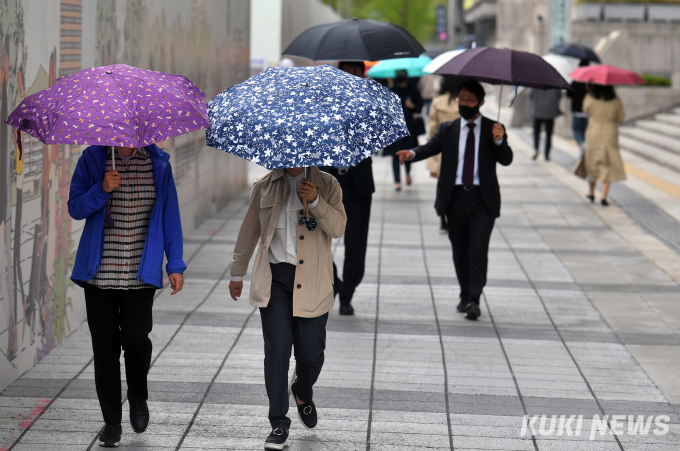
(124, 190)
(133, 212)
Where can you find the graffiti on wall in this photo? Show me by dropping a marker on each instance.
(205, 40)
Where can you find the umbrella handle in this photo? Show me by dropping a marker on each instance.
(500, 97)
(113, 158)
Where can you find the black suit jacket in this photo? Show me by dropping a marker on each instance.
(445, 141)
(360, 176)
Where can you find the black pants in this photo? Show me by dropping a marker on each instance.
(282, 330)
(358, 209)
(396, 167)
(549, 123)
(470, 229)
(119, 318)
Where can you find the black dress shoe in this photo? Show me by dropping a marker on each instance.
(461, 306)
(604, 203)
(472, 311)
(278, 439)
(346, 307)
(306, 411)
(590, 198)
(110, 436)
(139, 414)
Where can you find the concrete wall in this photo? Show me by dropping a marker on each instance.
(518, 28)
(206, 40)
(276, 23)
(651, 48)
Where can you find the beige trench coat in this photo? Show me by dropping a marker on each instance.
(602, 156)
(440, 112)
(313, 294)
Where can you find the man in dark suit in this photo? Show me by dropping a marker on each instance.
(467, 189)
(357, 193)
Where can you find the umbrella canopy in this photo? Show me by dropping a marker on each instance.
(576, 51)
(116, 105)
(604, 74)
(305, 116)
(504, 66)
(389, 68)
(355, 40)
(440, 60)
(563, 64)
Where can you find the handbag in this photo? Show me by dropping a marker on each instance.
(418, 125)
(580, 168)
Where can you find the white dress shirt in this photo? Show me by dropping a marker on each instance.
(283, 247)
(462, 141)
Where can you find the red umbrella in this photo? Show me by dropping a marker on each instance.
(604, 74)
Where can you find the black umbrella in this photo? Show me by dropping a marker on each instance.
(577, 51)
(504, 67)
(355, 40)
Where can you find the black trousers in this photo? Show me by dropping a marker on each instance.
(396, 168)
(119, 318)
(282, 331)
(549, 123)
(358, 209)
(470, 229)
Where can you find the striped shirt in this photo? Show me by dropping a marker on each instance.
(130, 206)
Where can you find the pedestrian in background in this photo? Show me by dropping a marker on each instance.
(429, 87)
(292, 283)
(131, 217)
(357, 193)
(467, 188)
(444, 109)
(602, 156)
(411, 102)
(546, 103)
(579, 119)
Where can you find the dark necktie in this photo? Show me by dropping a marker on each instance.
(469, 161)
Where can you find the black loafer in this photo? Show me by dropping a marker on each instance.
(110, 436)
(278, 439)
(306, 411)
(139, 414)
(346, 307)
(460, 308)
(472, 311)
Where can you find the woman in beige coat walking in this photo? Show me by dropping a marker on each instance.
(602, 156)
(292, 282)
(444, 109)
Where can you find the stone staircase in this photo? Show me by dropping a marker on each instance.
(656, 139)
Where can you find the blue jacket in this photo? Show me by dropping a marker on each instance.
(87, 200)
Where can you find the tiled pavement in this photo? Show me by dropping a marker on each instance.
(407, 372)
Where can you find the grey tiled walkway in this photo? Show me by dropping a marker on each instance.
(407, 372)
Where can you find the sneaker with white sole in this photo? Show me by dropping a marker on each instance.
(306, 411)
(110, 436)
(278, 439)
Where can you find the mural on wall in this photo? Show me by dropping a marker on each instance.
(205, 40)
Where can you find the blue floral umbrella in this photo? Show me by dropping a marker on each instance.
(305, 116)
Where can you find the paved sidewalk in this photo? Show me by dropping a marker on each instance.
(407, 372)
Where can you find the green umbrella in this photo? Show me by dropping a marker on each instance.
(388, 68)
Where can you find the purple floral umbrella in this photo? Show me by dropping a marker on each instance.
(115, 105)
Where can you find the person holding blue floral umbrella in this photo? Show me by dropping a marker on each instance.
(292, 120)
